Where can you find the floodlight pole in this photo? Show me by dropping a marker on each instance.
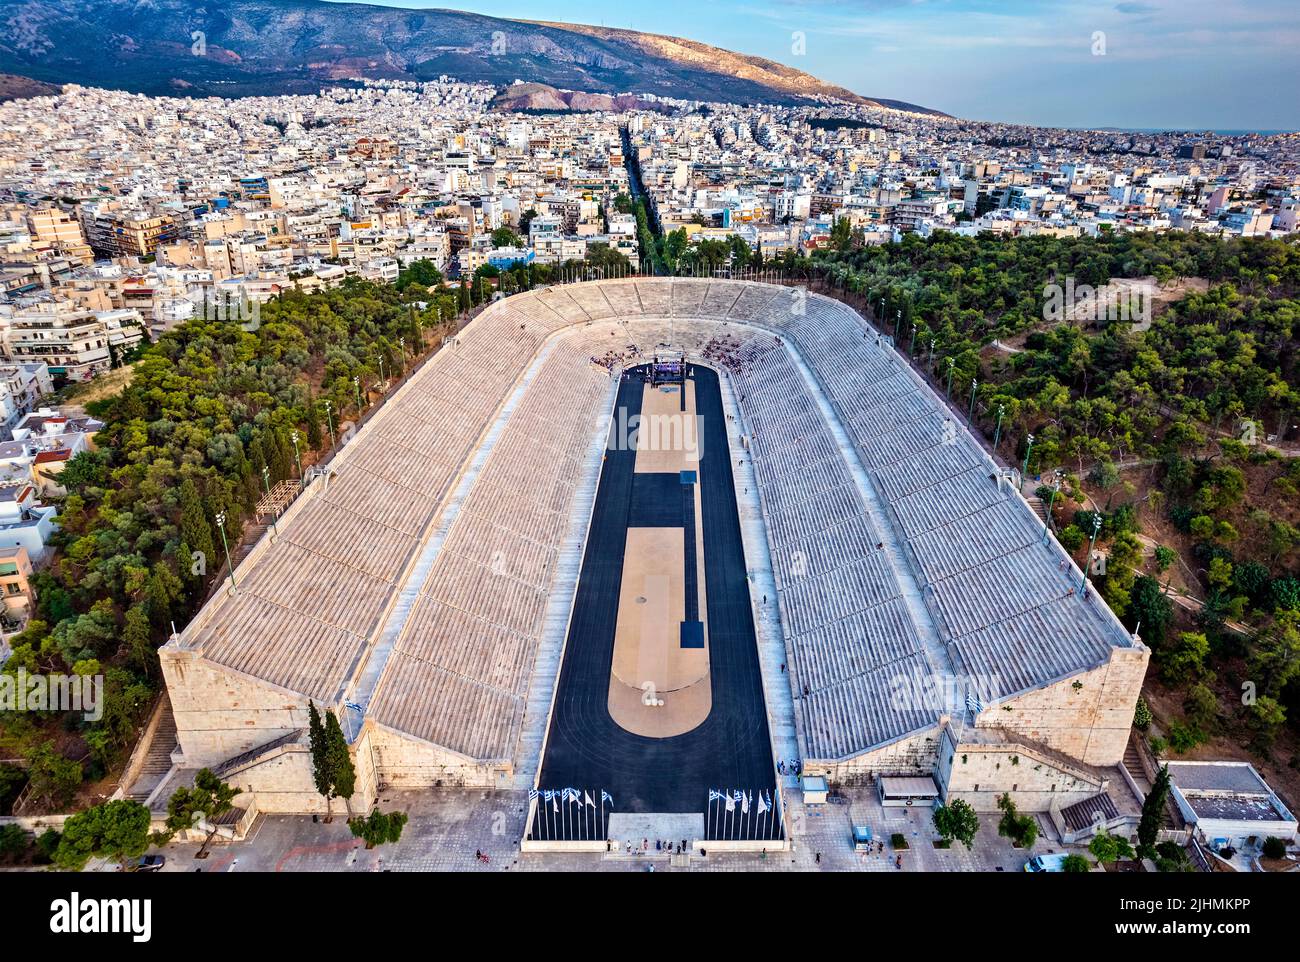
(1096, 527)
(230, 564)
(1051, 500)
(1024, 470)
(997, 433)
(266, 482)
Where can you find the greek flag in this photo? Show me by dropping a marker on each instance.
(715, 795)
(606, 797)
(532, 794)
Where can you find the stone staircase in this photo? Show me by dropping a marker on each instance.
(1133, 765)
(157, 760)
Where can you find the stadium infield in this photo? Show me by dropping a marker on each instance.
(729, 749)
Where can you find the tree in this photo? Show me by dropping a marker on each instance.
(51, 778)
(13, 841)
(1274, 847)
(320, 770)
(1021, 829)
(332, 769)
(1276, 658)
(378, 828)
(1265, 717)
(117, 830)
(1185, 659)
(1172, 857)
(505, 237)
(1202, 707)
(138, 637)
(1150, 612)
(1109, 848)
(1142, 714)
(195, 530)
(957, 821)
(1075, 863)
(207, 801)
(1153, 812)
(340, 759)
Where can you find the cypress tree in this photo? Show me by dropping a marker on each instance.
(196, 533)
(1153, 811)
(313, 425)
(139, 641)
(320, 769)
(342, 772)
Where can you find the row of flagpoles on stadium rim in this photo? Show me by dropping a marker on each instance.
(743, 815)
(562, 814)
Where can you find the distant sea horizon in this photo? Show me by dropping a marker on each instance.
(1189, 130)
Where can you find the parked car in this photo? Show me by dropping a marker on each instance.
(1046, 863)
(150, 863)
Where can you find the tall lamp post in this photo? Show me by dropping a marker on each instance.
(1024, 469)
(266, 483)
(293, 436)
(1096, 527)
(329, 420)
(997, 433)
(1051, 500)
(970, 415)
(230, 564)
(952, 362)
(356, 386)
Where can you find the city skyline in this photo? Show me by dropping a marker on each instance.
(1143, 64)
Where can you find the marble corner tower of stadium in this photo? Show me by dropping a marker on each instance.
(910, 618)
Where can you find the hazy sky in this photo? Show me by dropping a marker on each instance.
(1228, 64)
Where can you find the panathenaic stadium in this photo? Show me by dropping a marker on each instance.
(491, 589)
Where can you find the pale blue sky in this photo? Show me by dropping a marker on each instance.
(1227, 64)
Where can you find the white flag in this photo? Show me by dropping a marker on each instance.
(731, 802)
(744, 803)
(762, 804)
(587, 797)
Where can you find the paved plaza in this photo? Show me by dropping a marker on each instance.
(448, 827)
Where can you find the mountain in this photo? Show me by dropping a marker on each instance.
(521, 97)
(18, 88)
(264, 47)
